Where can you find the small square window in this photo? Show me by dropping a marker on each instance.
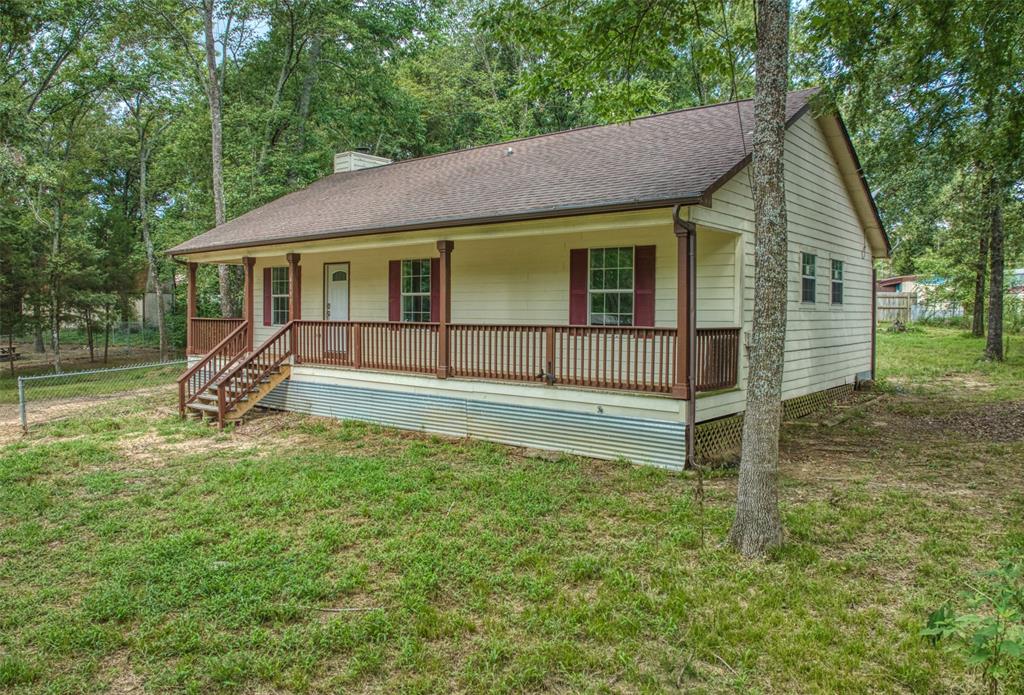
(808, 279)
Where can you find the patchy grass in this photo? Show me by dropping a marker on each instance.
(933, 360)
(78, 384)
(307, 555)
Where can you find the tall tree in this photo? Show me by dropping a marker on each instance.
(933, 82)
(213, 96)
(757, 526)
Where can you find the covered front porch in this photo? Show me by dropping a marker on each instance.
(626, 316)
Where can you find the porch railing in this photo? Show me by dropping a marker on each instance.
(205, 372)
(718, 358)
(206, 333)
(614, 357)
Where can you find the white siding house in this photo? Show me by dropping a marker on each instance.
(559, 321)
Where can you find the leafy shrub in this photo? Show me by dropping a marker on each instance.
(991, 637)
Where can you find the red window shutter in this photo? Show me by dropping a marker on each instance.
(394, 290)
(435, 290)
(578, 263)
(643, 286)
(266, 297)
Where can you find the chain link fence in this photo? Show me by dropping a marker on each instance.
(46, 397)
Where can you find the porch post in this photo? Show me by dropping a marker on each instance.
(294, 288)
(686, 328)
(686, 310)
(444, 313)
(247, 265)
(190, 308)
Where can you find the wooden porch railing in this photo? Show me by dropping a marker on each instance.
(718, 358)
(206, 333)
(614, 357)
(212, 366)
(242, 378)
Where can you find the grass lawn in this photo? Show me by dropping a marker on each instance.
(299, 554)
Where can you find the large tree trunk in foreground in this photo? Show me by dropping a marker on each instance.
(758, 525)
(227, 306)
(994, 343)
(978, 318)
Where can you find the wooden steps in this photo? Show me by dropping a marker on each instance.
(205, 404)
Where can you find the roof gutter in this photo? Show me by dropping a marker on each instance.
(692, 199)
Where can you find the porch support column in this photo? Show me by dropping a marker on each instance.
(294, 288)
(444, 314)
(248, 263)
(686, 309)
(190, 307)
(686, 326)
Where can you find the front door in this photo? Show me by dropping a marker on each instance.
(336, 281)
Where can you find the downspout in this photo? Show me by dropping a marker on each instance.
(691, 313)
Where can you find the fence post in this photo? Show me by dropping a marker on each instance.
(21, 404)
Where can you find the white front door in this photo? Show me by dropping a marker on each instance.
(336, 278)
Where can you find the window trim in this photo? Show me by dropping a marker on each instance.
(402, 294)
(631, 291)
(833, 282)
(287, 295)
(813, 277)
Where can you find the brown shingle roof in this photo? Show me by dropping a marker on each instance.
(675, 157)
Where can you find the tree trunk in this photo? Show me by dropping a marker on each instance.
(154, 276)
(227, 309)
(978, 319)
(88, 336)
(308, 82)
(758, 525)
(106, 333)
(55, 307)
(38, 344)
(275, 102)
(994, 343)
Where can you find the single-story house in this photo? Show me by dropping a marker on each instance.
(588, 291)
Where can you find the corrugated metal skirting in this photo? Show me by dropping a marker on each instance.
(652, 442)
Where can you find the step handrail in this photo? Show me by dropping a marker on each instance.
(226, 403)
(183, 380)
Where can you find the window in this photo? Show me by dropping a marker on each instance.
(279, 296)
(808, 282)
(610, 287)
(416, 290)
(837, 282)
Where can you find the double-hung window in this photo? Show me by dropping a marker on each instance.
(837, 282)
(808, 277)
(610, 286)
(279, 296)
(416, 290)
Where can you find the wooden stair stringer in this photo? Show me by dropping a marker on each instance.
(257, 394)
